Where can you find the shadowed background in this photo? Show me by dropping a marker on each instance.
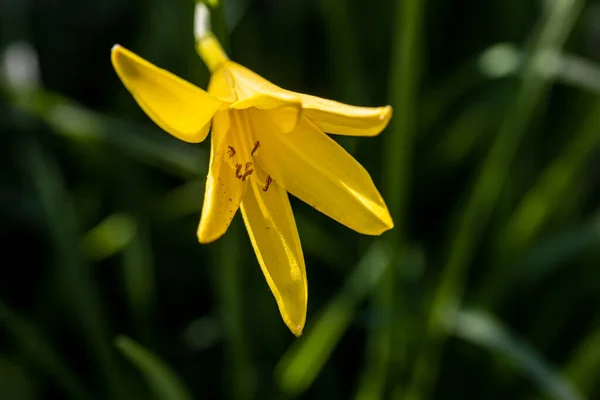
(488, 286)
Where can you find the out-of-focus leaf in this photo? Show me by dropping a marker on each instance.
(302, 362)
(109, 237)
(163, 382)
(138, 276)
(15, 381)
(553, 29)
(182, 201)
(484, 330)
(545, 257)
(505, 59)
(229, 284)
(462, 135)
(89, 127)
(39, 352)
(319, 242)
(557, 183)
(73, 278)
(541, 260)
(584, 366)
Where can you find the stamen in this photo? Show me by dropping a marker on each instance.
(247, 171)
(247, 174)
(267, 183)
(256, 146)
(238, 169)
(231, 151)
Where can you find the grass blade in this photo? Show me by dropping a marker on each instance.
(229, 285)
(72, 273)
(483, 330)
(556, 184)
(553, 29)
(110, 236)
(386, 342)
(87, 127)
(34, 346)
(584, 366)
(163, 382)
(300, 365)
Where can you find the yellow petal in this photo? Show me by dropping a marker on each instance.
(254, 91)
(223, 190)
(221, 86)
(331, 116)
(314, 168)
(177, 106)
(344, 119)
(272, 230)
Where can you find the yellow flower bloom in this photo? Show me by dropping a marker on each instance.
(266, 141)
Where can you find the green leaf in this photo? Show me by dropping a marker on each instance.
(163, 382)
(73, 280)
(553, 29)
(482, 329)
(505, 59)
(301, 364)
(109, 237)
(33, 345)
(584, 366)
(85, 127)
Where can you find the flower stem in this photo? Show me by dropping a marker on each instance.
(211, 52)
(207, 45)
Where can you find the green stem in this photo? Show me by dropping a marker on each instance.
(548, 39)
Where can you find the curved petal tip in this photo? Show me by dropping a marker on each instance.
(297, 331)
(386, 115)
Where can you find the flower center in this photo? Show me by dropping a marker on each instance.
(242, 150)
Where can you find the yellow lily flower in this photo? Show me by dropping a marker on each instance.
(266, 141)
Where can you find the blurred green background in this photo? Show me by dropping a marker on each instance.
(488, 287)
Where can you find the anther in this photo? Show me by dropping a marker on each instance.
(231, 151)
(238, 169)
(256, 146)
(247, 171)
(247, 174)
(267, 183)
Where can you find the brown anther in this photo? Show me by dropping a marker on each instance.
(247, 174)
(256, 146)
(247, 171)
(231, 151)
(238, 169)
(268, 183)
